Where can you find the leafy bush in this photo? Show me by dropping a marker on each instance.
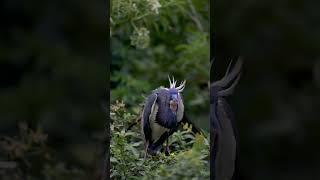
(188, 158)
(27, 156)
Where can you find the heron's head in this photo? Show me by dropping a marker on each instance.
(175, 94)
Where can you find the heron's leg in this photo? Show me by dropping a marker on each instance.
(167, 151)
(153, 149)
(146, 149)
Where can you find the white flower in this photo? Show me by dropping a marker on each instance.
(134, 7)
(140, 38)
(155, 5)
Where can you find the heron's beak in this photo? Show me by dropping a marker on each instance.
(174, 105)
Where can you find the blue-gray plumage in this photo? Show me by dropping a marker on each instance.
(224, 139)
(161, 115)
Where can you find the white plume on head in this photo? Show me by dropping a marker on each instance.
(173, 83)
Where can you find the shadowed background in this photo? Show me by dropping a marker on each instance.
(277, 100)
(53, 76)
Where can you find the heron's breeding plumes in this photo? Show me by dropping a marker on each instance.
(229, 77)
(173, 83)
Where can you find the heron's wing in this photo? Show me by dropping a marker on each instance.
(165, 115)
(148, 112)
(225, 142)
(229, 113)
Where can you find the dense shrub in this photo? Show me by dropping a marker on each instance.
(188, 158)
(27, 156)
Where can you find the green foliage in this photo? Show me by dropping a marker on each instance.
(188, 159)
(140, 14)
(191, 164)
(27, 156)
(149, 45)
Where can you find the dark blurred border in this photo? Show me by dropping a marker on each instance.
(106, 168)
(24, 18)
(276, 102)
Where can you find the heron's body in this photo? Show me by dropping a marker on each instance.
(161, 115)
(224, 144)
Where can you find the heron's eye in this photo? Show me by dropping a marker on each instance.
(174, 96)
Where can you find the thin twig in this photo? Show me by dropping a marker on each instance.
(194, 16)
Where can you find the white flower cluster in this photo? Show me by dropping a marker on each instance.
(155, 5)
(140, 38)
